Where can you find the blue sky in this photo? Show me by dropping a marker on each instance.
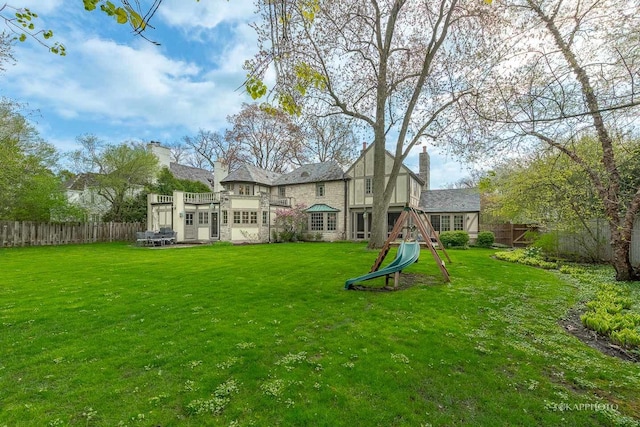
(121, 87)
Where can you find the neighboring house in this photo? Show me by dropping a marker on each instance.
(180, 171)
(338, 204)
(81, 192)
(81, 189)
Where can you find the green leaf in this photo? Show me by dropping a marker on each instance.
(121, 16)
(90, 4)
(22, 37)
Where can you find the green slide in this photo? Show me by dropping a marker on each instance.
(408, 253)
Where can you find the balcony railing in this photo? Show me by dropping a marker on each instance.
(201, 198)
(281, 201)
(161, 198)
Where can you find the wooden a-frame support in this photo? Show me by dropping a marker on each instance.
(421, 221)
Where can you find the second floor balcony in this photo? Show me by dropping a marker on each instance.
(280, 201)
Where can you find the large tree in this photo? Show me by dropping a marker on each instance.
(268, 137)
(573, 70)
(29, 190)
(328, 138)
(119, 171)
(396, 66)
(209, 147)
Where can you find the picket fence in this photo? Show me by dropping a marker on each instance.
(25, 233)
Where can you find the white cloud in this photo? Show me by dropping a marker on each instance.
(121, 84)
(40, 6)
(206, 14)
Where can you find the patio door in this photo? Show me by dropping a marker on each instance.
(361, 229)
(214, 226)
(190, 230)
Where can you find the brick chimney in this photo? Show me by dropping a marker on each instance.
(425, 167)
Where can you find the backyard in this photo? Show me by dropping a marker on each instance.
(257, 335)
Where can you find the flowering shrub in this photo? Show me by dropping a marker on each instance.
(291, 223)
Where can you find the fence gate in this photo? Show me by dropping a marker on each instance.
(510, 234)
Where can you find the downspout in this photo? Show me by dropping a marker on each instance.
(346, 207)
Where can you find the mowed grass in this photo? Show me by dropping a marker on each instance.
(265, 335)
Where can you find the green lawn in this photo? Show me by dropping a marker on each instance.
(265, 335)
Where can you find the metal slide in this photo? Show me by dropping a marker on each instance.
(408, 253)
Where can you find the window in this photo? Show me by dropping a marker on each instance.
(236, 217)
(282, 191)
(445, 223)
(368, 186)
(253, 217)
(244, 190)
(332, 221)
(265, 217)
(188, 218)
(317, 221)
(435, 222)
(320, 189)
(203, 218)
(225, 217)
(458, 222)
(245, 217)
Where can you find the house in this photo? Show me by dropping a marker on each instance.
(81, 191)
(338, 203)
(180, 171)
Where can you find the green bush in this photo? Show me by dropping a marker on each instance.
(485, 239)
(454, 238)
(547, 242)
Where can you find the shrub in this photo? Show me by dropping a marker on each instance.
(485, 239)
(292, 223)
(547, 242)
(454, 238)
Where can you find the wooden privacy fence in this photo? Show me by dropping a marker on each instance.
(594, 243)
(14, 233)
(510, 234)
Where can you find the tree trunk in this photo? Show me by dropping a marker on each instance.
(621, 261)
(378, 220)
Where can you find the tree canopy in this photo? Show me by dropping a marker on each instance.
(566, 70)
(120, 171)
(29, 190)
(395, 66)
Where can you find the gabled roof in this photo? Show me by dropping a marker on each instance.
(451, 200)
(321, 207)
(315, 172)
(250, 173)
(81, 181)
(389, 155)
(193, 174)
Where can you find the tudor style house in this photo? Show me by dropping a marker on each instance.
(244, 203)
